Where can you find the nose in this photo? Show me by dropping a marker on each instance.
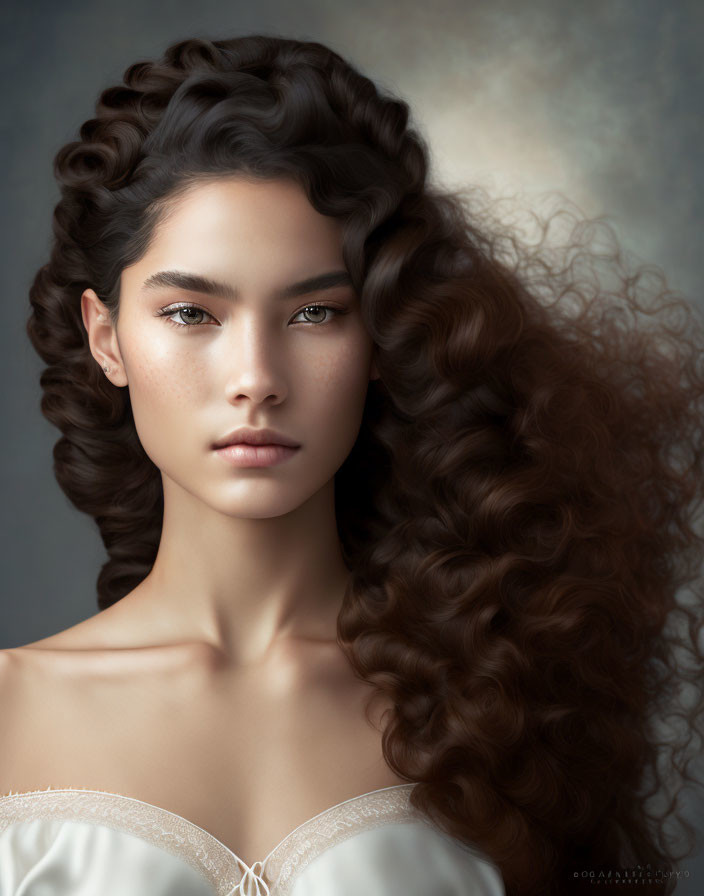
(255, 363)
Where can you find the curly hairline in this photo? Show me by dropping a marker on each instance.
(161, 209)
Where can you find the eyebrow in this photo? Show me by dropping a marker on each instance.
(197, 283)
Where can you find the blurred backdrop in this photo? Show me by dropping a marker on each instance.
(599, 100)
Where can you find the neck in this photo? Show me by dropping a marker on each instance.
(242, 584)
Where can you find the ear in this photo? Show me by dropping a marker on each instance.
(102, 337)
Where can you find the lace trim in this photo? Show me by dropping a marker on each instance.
(202, 850)
(157, 826)
(313, 838)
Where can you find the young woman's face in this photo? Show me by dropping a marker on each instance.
(200, 364)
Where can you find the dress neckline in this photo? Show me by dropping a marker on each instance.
(258, 866)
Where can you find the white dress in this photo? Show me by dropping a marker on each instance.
(75, 842)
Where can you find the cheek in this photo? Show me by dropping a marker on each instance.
(336, 385)
(160, 370)
(162, 383)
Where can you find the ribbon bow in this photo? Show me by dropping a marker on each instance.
(252, 883)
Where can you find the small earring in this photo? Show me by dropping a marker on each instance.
(106, 368)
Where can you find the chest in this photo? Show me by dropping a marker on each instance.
(247, 758)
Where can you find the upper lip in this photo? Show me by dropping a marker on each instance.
(255, 437)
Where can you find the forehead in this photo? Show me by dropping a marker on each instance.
(260, 232)
(236, 205)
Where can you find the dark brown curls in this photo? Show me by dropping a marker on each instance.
(520, 510)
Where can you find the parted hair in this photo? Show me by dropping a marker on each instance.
(520, 512)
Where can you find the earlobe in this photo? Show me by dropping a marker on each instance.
(374, 373)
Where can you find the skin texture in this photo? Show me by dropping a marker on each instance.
(220, 671)
(247, 556)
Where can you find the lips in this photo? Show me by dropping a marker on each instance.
(248, 436)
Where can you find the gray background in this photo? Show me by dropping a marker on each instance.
(599, 100)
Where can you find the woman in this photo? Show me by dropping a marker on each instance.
(419, 637)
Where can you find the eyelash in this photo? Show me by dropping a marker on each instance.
(171, 310)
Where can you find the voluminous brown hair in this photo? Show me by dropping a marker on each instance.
(519, 512)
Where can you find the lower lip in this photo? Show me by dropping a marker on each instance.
(243, 455)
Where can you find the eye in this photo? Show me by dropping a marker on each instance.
(187, 312)
(315, 309)
(180, 309)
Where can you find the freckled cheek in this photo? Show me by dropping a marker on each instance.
(158, 375)
(342, 367)
(336, 382)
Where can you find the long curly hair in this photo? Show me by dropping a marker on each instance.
(520, 510)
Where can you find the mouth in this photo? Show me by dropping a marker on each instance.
(245, 436)
(243, 454)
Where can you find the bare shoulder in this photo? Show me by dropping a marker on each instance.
(36, 715)
(30, 682)
(8, 670)
(24, 676)
(12, 686)
(16, 712)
